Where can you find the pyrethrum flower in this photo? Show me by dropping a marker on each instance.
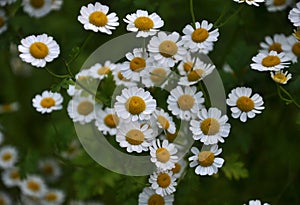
(33, 186)
(156, 76)
(9, 107)
(3, 25)
(96, 18)
(244, 106)
(107, 121)
(281, 77)
(206, 162)
(294, 15)
(292, 49)
(50, 169)
(5, 199)
(163, 154)
(166, 49)
(163, 182)
(120, 79)
(72, 151)
(271, 61)
(200, 38)
(135, 104)
(148, 196)
(211, 127)
(38, 50)
(53, 197)
(256, 202)
(144, 24)
(47, 102)
(250, 2)
(275, 43)
(8, 157)
(37, 8)
(185, 102)
(11, 177)
(277, 5)
(165, 121)
(99, 71)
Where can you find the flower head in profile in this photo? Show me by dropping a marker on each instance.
(294, 15)
(281, 77)
(96, 18)
(148, 196)
(37, 8)
(143, 24)
(47, 102)
(38, 50)
(250, 2)
(3, 25)
(271, 61)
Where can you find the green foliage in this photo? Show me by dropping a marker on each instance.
(234, 169)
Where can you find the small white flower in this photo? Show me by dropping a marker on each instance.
(271, 61)
(8, 156)
(56, 4)
(135, 104)
(99, 71)
(256, 202)
(281, 77)
(11, 177)
(53, 197)
(185, 102)
(120, 79)
(244, 106)
(9, 107)
(72, 151)
(47, 102)
(163, 182)
(156, 76)
(37, 8)
(144, 24)
(3, 19)
(50, 169)
(250, 2)
(211, 127)
(96, 18)
(277, 5)
(294, 15)
(165, 121)
(206, 162)
(107, 121)
(292, 48)
(275, 43)
(163, 154)
(200, 38)
(38, 50)
(33, 186)
(5, 199)
(148, 196)
(6, 2)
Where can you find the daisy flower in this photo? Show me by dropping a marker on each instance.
(244, 106)
(275, 43)
(144, 24)
(53, 197)
(271, 61)
(156, 76)
(166, 49)
(37, 8)
(165, 121)
(99, 71)
(292, 49)
(120, 79)
(6, 2)
(163, 182)
(3, 25)
(206, 162)
(200, 38)
(134, 136)
(72, 151)
(256, 202)
(135, 104)
(212, 126)
(294, 15)
(250, 2)
(50, 169)
(136, 66)
(33, 186)
(8, 156)
(9, 107)
(179, 168)
(185, 102)
(96, 18)
(187, 64)
(296, 33)
(281, 77)
(47, 102)
(11, 177)
(107, 121)
(56, 4)
(5, 199)
(148, 196)
(38, 50)
(277, 5)
(163, 154)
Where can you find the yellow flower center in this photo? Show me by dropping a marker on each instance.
(206, 158)
(47, 102)
(164, 122)
(158, 75)
(275, 47)
(51, 197)
(279, 78)
(137, 64)
(163, 180)
(85, 108)
(162, 155)
(279, 2)
(135, 105)
(200, 35)
(171, 137)
(98, 18)
(15, 175)
(2, 22)
(111, 120)
(143, 23)
(37, 4)
(177, 168)
(135, 137)
(7, 156)
(103, 70)
(245, 103)
(7, 107)
(188, 66)
(33, 186)
(210, 126)
(156, 199)
(168, 48)
(186, 102)
(48, 169)
(296, 49)
(195, 75)
(270, 61)
(297, 33)
(2, 201)
(39, 50)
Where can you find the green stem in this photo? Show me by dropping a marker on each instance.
(69, 70)
(229, 18)
(56, 75)
(291, 99)
(192, 13)
(222, 14)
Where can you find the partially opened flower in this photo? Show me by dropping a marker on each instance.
(294, 15)
(3, 25)
(278, 5)
(37, 8)
(53, 197)
(33, 186)
(47, 102)
(281, 77)
(8, 156)
(163, 182)
(96, 18)
(149, 197)
(144, 24)
(271, 61)
(250, 2)
(38, 50)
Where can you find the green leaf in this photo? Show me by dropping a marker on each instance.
(234, 169)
